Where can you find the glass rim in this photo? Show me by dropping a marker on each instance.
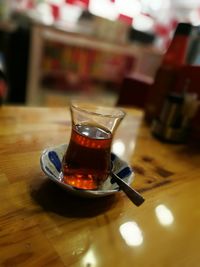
(77, 106)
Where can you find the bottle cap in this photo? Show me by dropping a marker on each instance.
(183, 29)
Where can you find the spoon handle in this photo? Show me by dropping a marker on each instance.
(131, 193)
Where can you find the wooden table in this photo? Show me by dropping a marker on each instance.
(41, 225)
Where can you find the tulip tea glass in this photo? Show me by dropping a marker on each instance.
(87, 161)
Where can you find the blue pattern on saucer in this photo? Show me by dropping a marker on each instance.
(51, 163)
(122, 174)
(53, 157)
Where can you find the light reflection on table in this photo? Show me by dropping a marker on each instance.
(164, 215)
(131, 233)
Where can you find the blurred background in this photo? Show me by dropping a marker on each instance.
(54, 50)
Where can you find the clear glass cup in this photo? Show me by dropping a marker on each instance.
(87, 162)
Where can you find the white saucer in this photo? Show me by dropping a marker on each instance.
(51, 159)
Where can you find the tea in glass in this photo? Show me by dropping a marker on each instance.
(86, 163)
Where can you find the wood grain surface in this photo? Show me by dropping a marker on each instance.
(42, 225)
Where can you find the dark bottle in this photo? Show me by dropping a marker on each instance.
(167, 73)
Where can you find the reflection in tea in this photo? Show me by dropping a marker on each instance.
(86, 163)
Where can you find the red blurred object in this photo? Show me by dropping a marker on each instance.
(83, 3)
(162, 30)
(167, 74)
(188, 80)
(3, 87)
(173, 23)
(70, 2)
(31, 4)
(134, 90)
(125, 19)
(177, 51)
(55, 11)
